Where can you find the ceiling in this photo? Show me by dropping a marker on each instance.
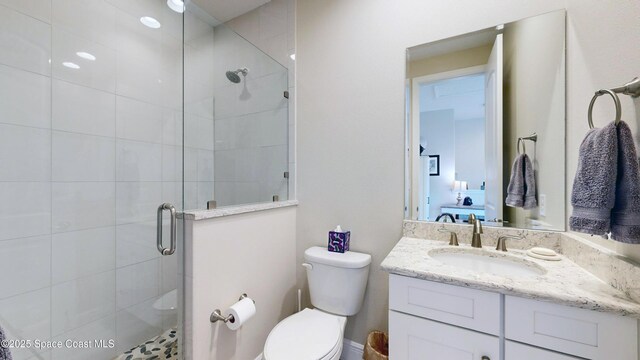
(225, 10)
(458, 43)
(464, 95)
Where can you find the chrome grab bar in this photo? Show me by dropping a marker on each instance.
(174, 231)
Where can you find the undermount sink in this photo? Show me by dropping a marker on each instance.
(483, 262)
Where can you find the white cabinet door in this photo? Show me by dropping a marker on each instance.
(517, 351)
(414, 338)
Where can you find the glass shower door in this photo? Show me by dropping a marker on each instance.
(90, 145)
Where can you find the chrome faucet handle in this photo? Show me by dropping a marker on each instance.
(502, 241)
(476, 240)
(453, 237)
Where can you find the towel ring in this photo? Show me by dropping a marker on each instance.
(615, 99)
(524, 149)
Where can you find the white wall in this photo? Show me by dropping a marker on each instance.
(469, 143)
(351, 71)
(440, 140)
(251, 253)
(534, 93)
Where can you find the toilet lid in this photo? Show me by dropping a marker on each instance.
(307, 335)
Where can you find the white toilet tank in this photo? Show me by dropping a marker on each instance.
(337, 281)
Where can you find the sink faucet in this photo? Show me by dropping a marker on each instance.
(445, 219)
(502, 241)
(453, 237)
(476, 240)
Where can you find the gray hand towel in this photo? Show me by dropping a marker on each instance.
(516, 187)
(530, 201)
(593, 194)
(521, 191)
(5, 354)
(625, 217)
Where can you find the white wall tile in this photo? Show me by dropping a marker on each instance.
(137, 283)
(103, 329)
(172, 193)
(27, 316)
(137, 120)
(98, 73)
(190, 164)
(26, 210)
(82, 205)
(137, 324)
(171, 163)
(25, 42)
(191, 196)
(93, 20)
(205, 193)
(81, 253)
(205, 165)
(39, 9)
(137, 201)
(169, 272)
(25, 154)
(26, 264)
(172, 127)
(135, 243)
(79, 302)
(78, 157)
(272, 127)
(199, 132)
(25, 98)
(138, 161)
(83, 110)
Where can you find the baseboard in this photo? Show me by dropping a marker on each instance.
(351, 350)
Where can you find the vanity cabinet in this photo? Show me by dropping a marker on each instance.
(431, 320)
(413, 337)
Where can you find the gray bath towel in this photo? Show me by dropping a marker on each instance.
(521, 191)
(593, 194)
(625, 217)
(5, 354)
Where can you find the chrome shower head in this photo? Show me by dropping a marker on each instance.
(234, 77)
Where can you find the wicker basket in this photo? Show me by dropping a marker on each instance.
(377, 347)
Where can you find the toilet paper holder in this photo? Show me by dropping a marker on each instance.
(216, 315)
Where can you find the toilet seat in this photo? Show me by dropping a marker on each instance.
(307, 335)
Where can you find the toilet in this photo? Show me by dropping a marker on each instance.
(337, 282)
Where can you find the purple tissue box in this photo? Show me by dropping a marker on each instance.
(339, 241)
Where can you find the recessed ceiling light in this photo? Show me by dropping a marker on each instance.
(71, 65)
(292, 56)
(176, 5)
(86, 55)
(150, 22)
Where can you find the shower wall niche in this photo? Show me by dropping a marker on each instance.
(236, 118)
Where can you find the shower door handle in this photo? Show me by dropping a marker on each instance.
(174, 232)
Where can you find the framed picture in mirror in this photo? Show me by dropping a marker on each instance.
(434, 165)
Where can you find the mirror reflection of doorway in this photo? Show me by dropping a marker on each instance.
(454, 117)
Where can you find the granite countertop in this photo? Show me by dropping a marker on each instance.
(234, 210)
(564, 282)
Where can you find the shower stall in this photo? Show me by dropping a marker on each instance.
(112, 111)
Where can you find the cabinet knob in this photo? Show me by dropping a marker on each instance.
(486, 358)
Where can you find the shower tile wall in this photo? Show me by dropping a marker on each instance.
(236, 135)
(271, 28)
(199, 110)
(251, 123)
(88, 152)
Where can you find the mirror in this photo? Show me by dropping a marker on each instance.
(475, 105)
